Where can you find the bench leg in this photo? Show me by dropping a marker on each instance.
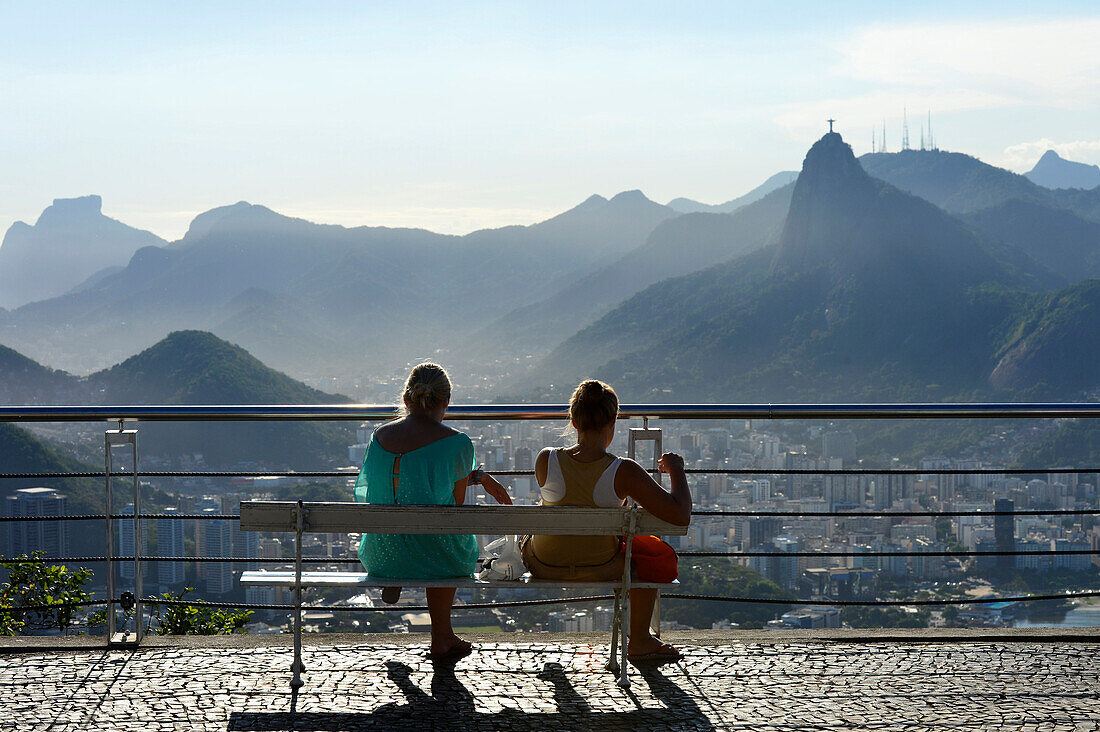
(624, 682)
(655, 624)
(612, 662)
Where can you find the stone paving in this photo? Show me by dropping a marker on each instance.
(550, 686)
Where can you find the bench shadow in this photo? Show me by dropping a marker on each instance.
(450, 705)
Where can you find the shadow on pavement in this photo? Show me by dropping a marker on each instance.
(450, 705)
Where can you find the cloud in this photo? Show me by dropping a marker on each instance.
(1051, 62)
(951, 67)
(1023, 156)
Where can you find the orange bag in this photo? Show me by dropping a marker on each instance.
(653, 559)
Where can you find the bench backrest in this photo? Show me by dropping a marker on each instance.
(364, 518)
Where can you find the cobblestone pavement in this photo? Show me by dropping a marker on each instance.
(543, 686)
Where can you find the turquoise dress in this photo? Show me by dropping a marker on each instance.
(428, 476)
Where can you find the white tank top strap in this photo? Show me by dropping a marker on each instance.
(603, 495)
(554, 488)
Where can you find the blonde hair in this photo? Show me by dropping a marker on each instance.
(593, 405)
(427, 387)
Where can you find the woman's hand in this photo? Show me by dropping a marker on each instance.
(671, 463)
(495, 489)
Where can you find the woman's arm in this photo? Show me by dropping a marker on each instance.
(491, 485)
(542, 465)
(460, 490)
(673, 506)
(495, 489)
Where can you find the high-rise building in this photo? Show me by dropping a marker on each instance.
(1004, 532)
(170, 575)
(24, 537)
(217, 541)
(242, 543)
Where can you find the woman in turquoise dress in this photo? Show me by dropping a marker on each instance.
(417, 460)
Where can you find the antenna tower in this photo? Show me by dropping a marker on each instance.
(931, 138)
(883, 136)
(904, 129)
(873, 148)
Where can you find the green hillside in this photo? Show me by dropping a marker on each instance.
(22, 452)
(25, 381)
(192, 367)
(1057, 239)
(1052, 346)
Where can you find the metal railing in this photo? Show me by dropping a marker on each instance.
(131, 416)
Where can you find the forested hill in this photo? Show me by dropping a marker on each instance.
(22, 452)
(197, 368)
(871, 293)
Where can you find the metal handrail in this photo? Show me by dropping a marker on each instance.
(371, 412)
(122, 414)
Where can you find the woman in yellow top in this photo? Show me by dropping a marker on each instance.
(585, 474)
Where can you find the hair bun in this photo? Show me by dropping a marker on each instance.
(592, 388)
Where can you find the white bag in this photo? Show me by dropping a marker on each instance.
(508, 564)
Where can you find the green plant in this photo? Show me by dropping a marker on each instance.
(31, 582)
(173, 619)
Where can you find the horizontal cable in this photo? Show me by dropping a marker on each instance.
(460, 412)
(934, 553)
(859, 513)
(397, 608)
(259, 560)
(513, 473)
(50, 606)
(863, 513)
(880, 603)
(355, 560)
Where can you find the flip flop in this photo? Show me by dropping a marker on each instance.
(665, 653)
(458, 652)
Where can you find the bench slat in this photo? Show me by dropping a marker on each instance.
(361, 579)
(371, 519)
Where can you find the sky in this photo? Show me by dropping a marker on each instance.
(459, 116)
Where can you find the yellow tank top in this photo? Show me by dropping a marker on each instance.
(573, 483)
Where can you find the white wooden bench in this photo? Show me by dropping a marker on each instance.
(302, 516)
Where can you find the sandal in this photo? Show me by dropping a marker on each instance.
(461, 650)
(665, 653)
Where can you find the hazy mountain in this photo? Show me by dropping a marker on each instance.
(960, 183)
(677, 246)
(289, 289)
(775, 182)
(1054, 171)
(1058, 239)
(870, 293)
(71, 240)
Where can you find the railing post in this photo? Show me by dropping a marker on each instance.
(645, 434)
(112, 438)
(107, 510)
(297, 667)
